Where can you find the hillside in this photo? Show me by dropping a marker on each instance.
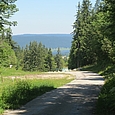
(49, 40)
(63, 41)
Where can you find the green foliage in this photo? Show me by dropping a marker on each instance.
(38, 58)
(34, 57)
(106, 100)
(21, 92)
(81, 52)
(19, 52)
(2, 106)
(7, 55)
(93, 34)
(58, 60)
(50, 62)
(7, 9)
(5, 72)
(17, 93)
(7, 45)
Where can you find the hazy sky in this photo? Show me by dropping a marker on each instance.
(45, 16)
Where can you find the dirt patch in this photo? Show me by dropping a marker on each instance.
(50, 75)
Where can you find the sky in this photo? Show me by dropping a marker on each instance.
(45, 16)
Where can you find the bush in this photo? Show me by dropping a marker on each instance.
(2, 106)
(106, 100)
(21, 92)
(16, 95)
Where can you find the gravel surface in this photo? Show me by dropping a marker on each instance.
(75, 98)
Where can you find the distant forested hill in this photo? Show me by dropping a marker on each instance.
(49, 40)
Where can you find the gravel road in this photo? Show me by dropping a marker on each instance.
(75, 98)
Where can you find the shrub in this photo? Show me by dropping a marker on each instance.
(22, 92)
(16, 95)
(106, 100)
(2, 106)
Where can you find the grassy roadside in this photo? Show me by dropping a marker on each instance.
(17, 92)
(13, 72)
(106, 99)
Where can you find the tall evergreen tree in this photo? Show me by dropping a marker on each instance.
(74, 61)
(50, 62)
(34, 57)
(59, 61)
(26, 59)
(7, 9)
(109, 30)
(93, 34)
(20, 55)
(7, 55)
(80, 53)
(42, 53)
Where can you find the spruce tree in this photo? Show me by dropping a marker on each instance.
(74, 61)
(59, 61)
(109, 31)
(7, 55)
(34, 57)
(7, 9)
(26, 59)
(50, 62)
(80, 53)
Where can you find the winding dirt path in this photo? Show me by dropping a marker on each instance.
(75, 98)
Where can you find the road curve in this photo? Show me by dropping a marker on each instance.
(75, 98)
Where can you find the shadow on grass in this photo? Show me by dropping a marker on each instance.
(14, 97)
(106, 70)
(75, 98)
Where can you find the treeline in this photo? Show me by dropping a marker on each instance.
(93, 34)
(7, 45)
(36, 57)
(94, 44)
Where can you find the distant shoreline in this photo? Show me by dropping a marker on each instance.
(53, 41)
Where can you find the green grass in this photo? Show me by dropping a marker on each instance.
(106, 99)
(14, 94)
(105, 69)
(13, 72)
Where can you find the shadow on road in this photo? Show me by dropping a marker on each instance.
(76, 98)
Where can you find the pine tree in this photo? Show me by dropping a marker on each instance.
(7, 9)
(34, 57)
(50, 62)
(20, 55)
(109, 30)
(59, 61)
(42, 53)
(26, 59)
(73, 61)
(7, 55)
(80, 53)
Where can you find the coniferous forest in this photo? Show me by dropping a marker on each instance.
(93, 44)
(93, 39)
(93, 47)
(34, 57)
(93, 34)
